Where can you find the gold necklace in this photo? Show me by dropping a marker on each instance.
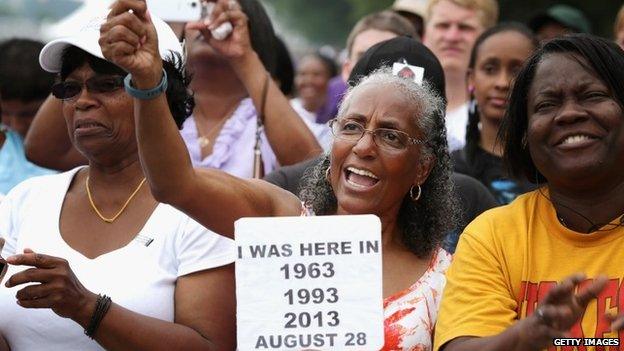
(111, 220)
(203, 138)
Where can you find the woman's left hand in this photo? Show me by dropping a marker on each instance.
(236, 45)
(58, 287)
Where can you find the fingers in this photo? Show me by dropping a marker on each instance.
(138, 7)
(41, 302)
(33, 292)
(31, 275)
(35, 259)
(591, 292)
(1, 245)
(565, 289)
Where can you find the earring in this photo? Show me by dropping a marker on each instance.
(327, 174)
(472, 106)
(411, 193)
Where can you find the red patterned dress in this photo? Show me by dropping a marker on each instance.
(410, 315)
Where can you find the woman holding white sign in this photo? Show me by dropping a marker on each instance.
(400, 172)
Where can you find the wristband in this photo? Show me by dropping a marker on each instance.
(145, 94)
(102, 305)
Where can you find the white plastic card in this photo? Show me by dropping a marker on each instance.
(309, 283)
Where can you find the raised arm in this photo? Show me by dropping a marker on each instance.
(213, 198)
(47, 143)
(289, 136)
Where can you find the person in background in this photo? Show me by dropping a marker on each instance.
(450, 32)
(229, 101)
(559, 20)
(414, 11)
(368, 31)
(497, 56)
(23, 84)
(564, 129)
(389, 158)
(23, 88)
(95, 230)
(311, 81)
(618, 28)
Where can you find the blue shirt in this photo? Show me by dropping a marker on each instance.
(14, 167)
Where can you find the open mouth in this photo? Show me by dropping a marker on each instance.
(360, 178)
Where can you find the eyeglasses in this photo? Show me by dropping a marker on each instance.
(70, 89)
(385, 138)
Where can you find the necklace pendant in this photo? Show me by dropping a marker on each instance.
(203, 141)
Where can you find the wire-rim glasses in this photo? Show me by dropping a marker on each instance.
(385, 138)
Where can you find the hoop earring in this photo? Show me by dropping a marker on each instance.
(411, 193)
(327, 174)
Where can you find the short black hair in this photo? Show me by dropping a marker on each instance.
(473, 135)
(330, 64)
(21, 77)
(599, 55)
(261, 33)
(285, 70)
(180, 100)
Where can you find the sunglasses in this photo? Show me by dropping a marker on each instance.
(69, 89)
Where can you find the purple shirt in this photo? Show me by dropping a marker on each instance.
(233, 148)
(335, 93)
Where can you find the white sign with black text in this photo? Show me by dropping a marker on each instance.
(309, 283)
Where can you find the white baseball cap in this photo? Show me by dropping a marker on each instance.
(86, 38)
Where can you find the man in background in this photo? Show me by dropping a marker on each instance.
(450, 32)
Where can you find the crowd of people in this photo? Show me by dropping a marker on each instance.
(491, 152)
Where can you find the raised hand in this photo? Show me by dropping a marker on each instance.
(57, 288)
(128, 39)
(235, 46)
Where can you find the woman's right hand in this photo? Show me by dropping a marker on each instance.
(562, 307)
(128, 39)
(236, 47)
(3, 265)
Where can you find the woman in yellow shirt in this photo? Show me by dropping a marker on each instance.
(564, 130)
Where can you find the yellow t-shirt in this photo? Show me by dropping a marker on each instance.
(509, 257)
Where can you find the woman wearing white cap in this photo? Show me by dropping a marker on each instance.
(98, 229)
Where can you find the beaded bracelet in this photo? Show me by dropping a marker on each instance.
(102, 305)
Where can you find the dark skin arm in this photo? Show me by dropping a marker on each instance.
(561, 309)
(290, 138)
(47, 143)
(203, 321)
(213, 198)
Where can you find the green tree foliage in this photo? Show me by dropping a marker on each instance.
(324, 21)
(329, 21)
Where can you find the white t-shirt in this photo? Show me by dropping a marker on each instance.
(140, 276)
(456, 123)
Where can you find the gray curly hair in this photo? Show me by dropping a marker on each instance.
(424, 223)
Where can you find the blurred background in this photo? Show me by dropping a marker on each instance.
(304, 24)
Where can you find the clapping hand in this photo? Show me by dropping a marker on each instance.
(56, 286)
(562, 307)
